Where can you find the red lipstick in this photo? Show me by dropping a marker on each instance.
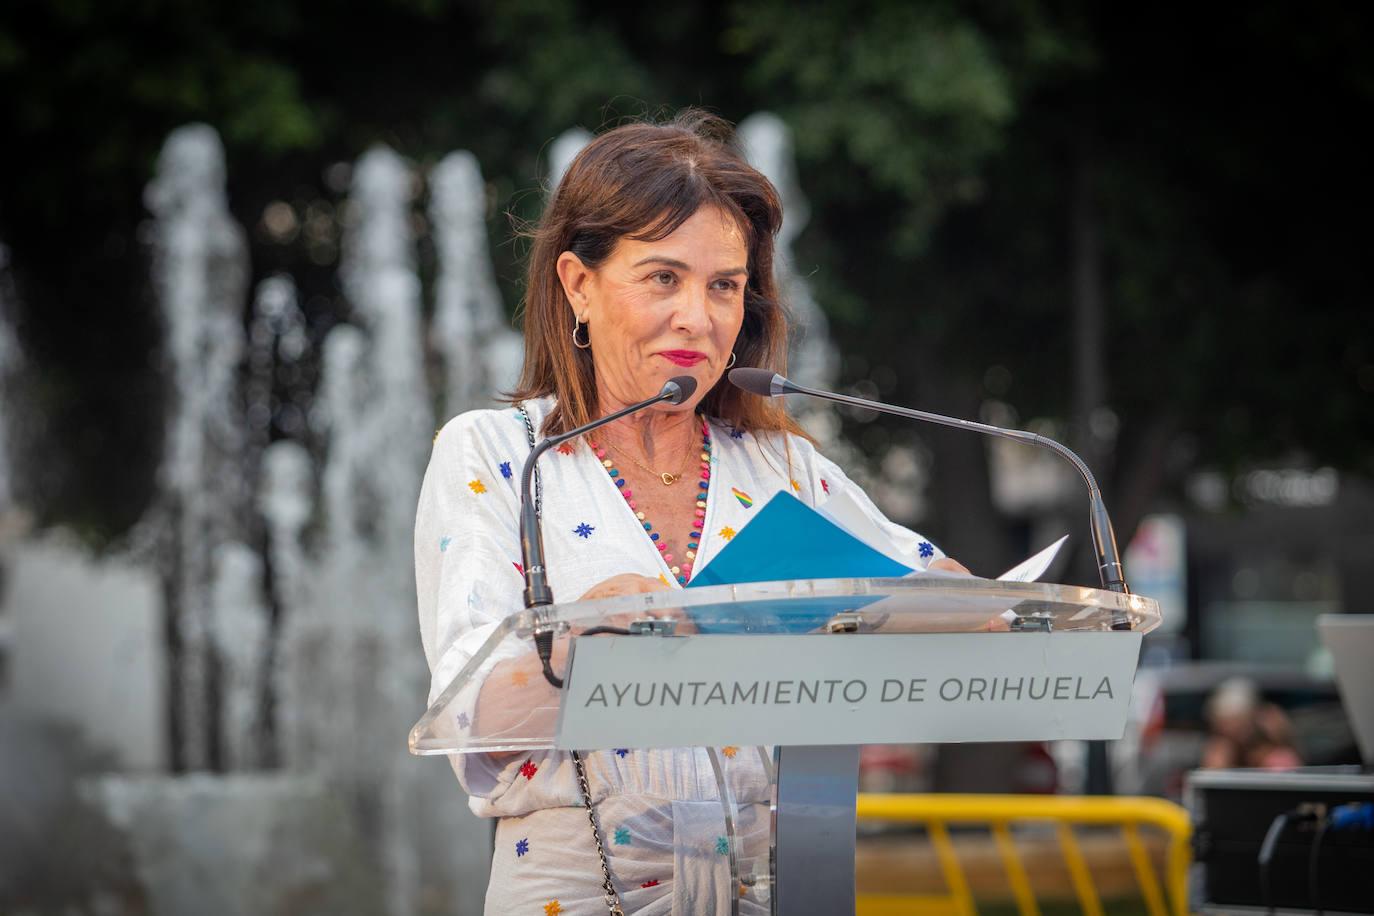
(683, 357)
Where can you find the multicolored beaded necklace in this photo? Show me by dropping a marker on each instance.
(684, 571)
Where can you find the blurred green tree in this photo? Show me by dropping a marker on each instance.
(1143, 224)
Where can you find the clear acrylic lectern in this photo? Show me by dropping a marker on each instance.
(800, 673)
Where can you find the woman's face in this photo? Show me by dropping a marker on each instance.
(656, 310)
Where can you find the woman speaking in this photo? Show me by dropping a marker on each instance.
(653, 260)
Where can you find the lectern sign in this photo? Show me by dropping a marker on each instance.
(651, 691)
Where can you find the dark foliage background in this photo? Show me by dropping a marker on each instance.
(1146, 223)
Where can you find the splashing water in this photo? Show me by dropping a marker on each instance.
(10, 361)
(811, 358)
(288, 576)
(482, 355)
(200, 274)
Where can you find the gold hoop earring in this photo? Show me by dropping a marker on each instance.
(577, 323)
(732, 360)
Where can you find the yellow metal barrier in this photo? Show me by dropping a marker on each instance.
(999, 812)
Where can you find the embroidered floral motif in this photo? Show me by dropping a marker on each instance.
(927, 549)
(796, 486)
(744, 498)
(553, 908)
(567, 448)
(621, 752)
(528, 769)
(722, 845)
(519, 679)
(730, 751)
(583, 530)
(622, 836)
(518, 568)
(653, 883)
(463, 720)
(505, 469)
(522, 847)
(477, 486)
(444, 542)
(662, 578)
(727, 532)
(736, 433)
(824, 485)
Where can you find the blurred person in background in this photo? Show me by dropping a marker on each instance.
(1246, 731)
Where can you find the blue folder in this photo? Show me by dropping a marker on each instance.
(789, 540)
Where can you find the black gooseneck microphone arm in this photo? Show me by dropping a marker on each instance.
(537, 592)
(770, 385)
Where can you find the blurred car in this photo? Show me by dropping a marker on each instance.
(1167, 726)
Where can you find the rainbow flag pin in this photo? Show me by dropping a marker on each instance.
(744, 498)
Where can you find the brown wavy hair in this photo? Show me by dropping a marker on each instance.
(643, 181)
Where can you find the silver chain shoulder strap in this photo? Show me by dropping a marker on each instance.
(607, 885)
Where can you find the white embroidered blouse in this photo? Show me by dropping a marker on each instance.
(468, 577)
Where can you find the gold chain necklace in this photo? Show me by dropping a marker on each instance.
(668, 479)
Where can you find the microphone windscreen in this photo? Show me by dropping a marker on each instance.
(686, 387)
(754, 380)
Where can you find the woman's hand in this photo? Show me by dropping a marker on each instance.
(996, 624)
(632, 584)
(625, 584)
(517, 699)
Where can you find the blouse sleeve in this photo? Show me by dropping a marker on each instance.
(467, 573)
(466, 545)
(917, 550)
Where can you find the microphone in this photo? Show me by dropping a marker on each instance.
(770, 385)
(537, 592)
